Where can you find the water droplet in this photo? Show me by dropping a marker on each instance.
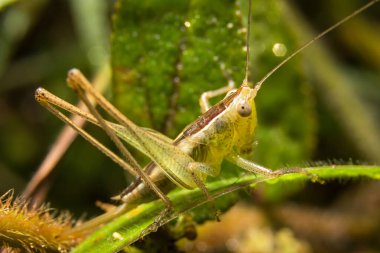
(117, 236)
(279, 49)
(187, 24)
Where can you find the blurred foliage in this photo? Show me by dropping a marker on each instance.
(298, 120)
(4, 3)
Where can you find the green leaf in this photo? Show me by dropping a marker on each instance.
(161, 66)
(150, 41)
(129, 227)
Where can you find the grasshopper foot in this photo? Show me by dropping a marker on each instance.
(158, 222)
(313, 177)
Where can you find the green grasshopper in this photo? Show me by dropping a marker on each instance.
(225, 131)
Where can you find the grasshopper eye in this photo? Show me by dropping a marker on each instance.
(244, 109)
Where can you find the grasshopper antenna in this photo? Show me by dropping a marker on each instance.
(245, 82)
(358, 11)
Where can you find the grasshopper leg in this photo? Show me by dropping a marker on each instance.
(47, 100)
(83, 87)
(193, 168)
(258, 169)
(204, 99)
(76, 80)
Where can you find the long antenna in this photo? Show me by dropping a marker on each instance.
(363, 8)
(245, 82)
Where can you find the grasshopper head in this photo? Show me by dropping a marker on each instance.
(244, 101)
(245, 121)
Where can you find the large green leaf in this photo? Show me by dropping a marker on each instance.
(150, 40)
(161, 66)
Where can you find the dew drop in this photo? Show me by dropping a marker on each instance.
(187, 24)
(117, 236)
(279, 49)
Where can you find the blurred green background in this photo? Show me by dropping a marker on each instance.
(323, 106)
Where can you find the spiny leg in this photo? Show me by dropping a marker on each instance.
(45, 97)
(44, 101)
(81, 85)
(253, 167)
(82, 95)
(258, 169)
(76, 78)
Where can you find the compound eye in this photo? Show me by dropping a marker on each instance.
(244, 109)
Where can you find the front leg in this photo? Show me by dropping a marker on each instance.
(258, 169)
(204, 99)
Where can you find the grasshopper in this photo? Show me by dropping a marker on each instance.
(225, 131)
